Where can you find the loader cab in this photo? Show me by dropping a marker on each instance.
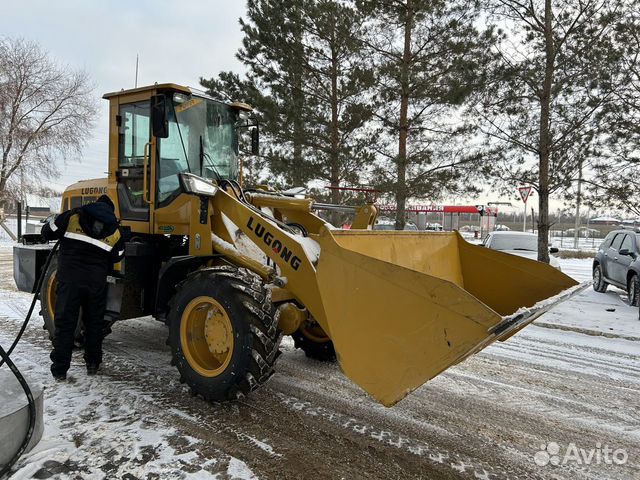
(159, 132)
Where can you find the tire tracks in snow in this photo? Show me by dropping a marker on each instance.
(483, 418)
(231, 428)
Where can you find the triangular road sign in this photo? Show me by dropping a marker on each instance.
(524, 193)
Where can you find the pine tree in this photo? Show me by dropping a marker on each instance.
(308, 82)
(273, 34)
(336, 88)
(558, 67)
(273, 84)
(228, 86)
(428, 56)
(616, 171)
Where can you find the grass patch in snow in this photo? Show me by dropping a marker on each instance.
(575, 254)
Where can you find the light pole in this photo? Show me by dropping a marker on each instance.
(576, 229)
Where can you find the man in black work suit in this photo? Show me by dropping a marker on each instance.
(90, 243)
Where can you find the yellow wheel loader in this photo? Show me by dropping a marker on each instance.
(231, 270)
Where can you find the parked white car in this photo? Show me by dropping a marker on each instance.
(384, 224)
(518, 243)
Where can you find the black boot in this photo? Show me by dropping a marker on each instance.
(92, 368)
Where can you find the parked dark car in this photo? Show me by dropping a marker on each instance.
(617, 263)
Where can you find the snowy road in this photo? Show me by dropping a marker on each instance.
(574, 380)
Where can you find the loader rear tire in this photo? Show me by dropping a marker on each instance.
(48, 304)
(315, 343)
(223, 337)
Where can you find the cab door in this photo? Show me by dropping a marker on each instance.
(134, 176)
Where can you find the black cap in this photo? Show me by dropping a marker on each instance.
(107, 200)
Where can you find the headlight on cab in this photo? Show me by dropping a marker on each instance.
(196, 185)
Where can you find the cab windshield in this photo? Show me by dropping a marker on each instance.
(202, 140)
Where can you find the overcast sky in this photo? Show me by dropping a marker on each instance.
(177, 42)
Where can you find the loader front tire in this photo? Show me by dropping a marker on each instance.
(314, 342)
(224, 340)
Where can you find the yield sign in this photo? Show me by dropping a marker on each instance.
(524, 193)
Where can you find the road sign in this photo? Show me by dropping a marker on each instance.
(524, 193)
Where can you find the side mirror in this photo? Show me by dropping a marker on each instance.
(554, 250)
(625, 251)
(159, 116)
(255, 140)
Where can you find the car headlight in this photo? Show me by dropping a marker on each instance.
(196, 185)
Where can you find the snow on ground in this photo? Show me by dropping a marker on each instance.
(11, 224)
(572, 378)
(97, 429)
(31, 226)
(593, 313)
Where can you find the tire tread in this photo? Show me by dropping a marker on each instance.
(262, 339)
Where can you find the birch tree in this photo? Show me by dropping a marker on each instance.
(46, 112)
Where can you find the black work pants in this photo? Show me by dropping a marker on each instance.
(70, 297)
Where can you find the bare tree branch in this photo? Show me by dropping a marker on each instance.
(46, 111)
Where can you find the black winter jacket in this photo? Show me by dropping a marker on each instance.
(90, 243)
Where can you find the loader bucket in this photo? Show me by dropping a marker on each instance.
(401, 307)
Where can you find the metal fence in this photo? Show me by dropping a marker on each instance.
(587, 240)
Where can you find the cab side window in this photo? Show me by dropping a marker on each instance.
(76, 202)
(133, 136)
